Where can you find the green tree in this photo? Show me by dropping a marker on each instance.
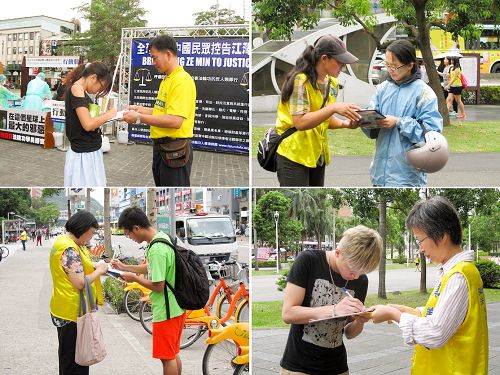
(280, 19)
(14, 200)
(107, 19)
(47, 214)
(50, 192)
(289, 229)
(217, 16)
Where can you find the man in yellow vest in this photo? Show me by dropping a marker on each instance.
(450, 332)
(172, 118)
(23, 237)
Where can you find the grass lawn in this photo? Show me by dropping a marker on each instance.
(268, 314)
(461, 136)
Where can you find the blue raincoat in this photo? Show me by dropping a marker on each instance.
(411, 101)
(5, 96)
(37, 91)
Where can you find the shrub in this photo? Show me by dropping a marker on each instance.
(490, 273)
(265, 263)
(114, 293)
(282, 281)
(489, 95)
(399, 260)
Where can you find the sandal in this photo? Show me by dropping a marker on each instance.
(461, 116)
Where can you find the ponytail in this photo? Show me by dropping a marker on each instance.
(84, 70)
(306, 63)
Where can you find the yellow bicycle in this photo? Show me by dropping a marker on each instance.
(227, 351)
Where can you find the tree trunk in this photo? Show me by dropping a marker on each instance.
(425, 48)
(383, 233)
(255, 247)
(107, 228)
(423, 274)
(87, 199)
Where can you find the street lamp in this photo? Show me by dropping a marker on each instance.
(276, 218)
(10, 213)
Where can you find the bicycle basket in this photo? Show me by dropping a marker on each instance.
(233, 271)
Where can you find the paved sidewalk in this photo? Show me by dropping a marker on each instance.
(28, 340)
(378, 350)
(126, 165)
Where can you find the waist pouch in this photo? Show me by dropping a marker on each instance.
(174, 152)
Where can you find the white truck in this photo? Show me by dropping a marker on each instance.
(210, 236)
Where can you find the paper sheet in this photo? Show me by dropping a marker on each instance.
(342, 316)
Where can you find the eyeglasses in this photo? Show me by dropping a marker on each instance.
(392, 67)
(419, 242)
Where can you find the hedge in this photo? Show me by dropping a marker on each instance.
(490, 273)
(489, 95)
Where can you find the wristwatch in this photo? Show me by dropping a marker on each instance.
(138, 118)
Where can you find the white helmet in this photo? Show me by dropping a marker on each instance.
(430, 155)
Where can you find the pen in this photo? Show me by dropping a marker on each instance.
(347, 292)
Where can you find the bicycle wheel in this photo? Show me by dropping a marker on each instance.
(146, 317)
(132, 302)
(241, 369)
(218, 358)
(190, 334)
(5, 251)
(222, 308)
(242, 312)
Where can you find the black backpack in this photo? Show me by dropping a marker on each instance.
(191, 282)
(266, 151)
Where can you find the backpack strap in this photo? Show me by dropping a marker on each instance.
(170, 243)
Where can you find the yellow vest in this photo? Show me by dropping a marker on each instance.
(176, 96)
(23, 236)
(306, 146)
(457, 81)
(65, 297)
(466, 353)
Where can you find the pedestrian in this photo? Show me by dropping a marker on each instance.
(160, 268)
(444, 75)
(308, 102)
(322, 285)
(61, 87)
(171, 120)
(423, 71)
(37, 91)
(454, 87)
(5, 94)
(24, 237)
(70, 264)
(453, 322)
(84, 160)
(38, 237)
(408, 104)
(417, 263)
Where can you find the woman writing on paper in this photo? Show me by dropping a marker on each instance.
(406, 101)
(308, 102)
(84, 161)
(69, 263)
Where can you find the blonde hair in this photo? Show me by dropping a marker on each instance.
(361, 247)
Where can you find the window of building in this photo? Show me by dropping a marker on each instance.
(14, 37)
(19, 50)
(9, 37)
(32, 35)
(9, 50)
(20, 36)
(14, 50)
(25, 50)
(31, 50)
(26, 36)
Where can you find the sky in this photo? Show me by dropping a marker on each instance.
(156, 16)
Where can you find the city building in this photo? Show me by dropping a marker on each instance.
(29, 36)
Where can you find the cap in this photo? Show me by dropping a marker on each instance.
(333, 46)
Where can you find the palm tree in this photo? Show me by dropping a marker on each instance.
(303, 207)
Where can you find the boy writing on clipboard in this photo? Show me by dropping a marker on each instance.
(326, 284)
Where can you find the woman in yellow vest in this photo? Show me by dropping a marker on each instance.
(455, 88)
(24, 237)
(450, 332)
(308, 102)
(70, 263)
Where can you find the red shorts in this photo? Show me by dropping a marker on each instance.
(167, 337)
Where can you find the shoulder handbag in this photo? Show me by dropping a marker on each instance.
(266, 151)
(463, 80)
(90, 347)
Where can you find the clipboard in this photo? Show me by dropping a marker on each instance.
(369, 118)
(368, 311)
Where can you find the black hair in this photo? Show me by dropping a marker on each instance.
(455, 61)
(164, 42)
(405, 52)
(436, 217)
(81, 222)
(98, 68)
(133, 216)
(306, 63)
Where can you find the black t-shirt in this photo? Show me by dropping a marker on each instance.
(81, 140)
(317, 348)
